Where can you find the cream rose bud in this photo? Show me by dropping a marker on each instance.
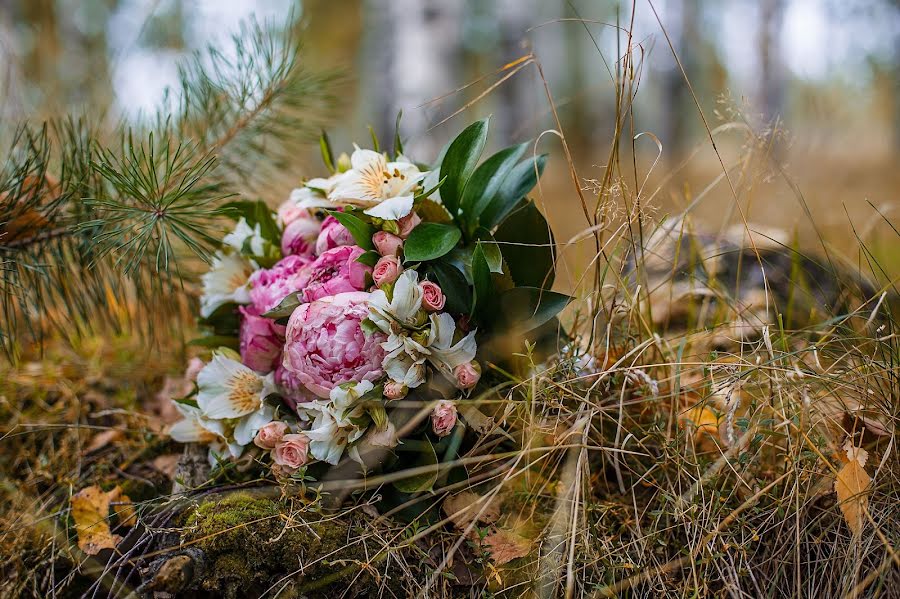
(395, 390)
(407, 224)
(270, 435)
(292, 452)
(443, 418)
(386, 270)
(467, 375)
(384, 438)
(387, 244)
(433, 299)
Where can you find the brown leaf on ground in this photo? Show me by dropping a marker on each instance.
(166, 463)
(852, 486)
(506, 546)
(703, 421)
(463, 507)
(102, 439)
(123, 509)
(90, 508)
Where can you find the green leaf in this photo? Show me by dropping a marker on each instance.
(285, 307)
(398, 144)
(327, 154)
(370, 258)
(426, 458)
(518, 182)
(527, 246)
(526, 308)
(375, 145)
(486, 182)
(224, 320)
(360, 230)
(215, 341)
(454, 285)
(491, 251)
(429, 241)
(484, 288)
(459, 163)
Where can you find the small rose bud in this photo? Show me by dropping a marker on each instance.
(343, 163)
(292, 452)
(443, 418)
(467, 375)
(395, 390)
(433, 299)
(407, 224)
(387, 244)
(270, 435)
(386, 270)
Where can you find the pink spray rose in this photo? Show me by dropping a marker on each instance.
(326, 345)
(408, 223)
(386, 270)
(467, 375)
(332, 235)
(270, 435)
(269, 286)
(291, 452)
(387, 244)
(433, 299)
(261, 340)
(300, 236)
(443, 418)
(335, 271)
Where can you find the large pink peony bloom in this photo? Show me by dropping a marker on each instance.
(292, 390)
(333, 234)
(335, 271)
(269, 286)
(326, 346)
(300, 236)
(261, 340)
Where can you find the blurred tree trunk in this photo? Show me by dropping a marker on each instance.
(678, 109)
(771, 80)
(516, 109)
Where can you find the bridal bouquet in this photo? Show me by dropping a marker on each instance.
(366, 291)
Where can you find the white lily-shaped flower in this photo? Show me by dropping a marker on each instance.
(443, 353)
(227, 389)
(242, 232)
(327, 439)
(403, 306)
(385, 189)
(404, 360)
(309, 198)
(195, 428)
(343, 396)
(226, 281)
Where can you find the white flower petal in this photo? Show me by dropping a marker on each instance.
(226, 281)
(228, 389)
(247, 428)
(392, 208)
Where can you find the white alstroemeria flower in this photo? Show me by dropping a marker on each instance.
(404, 360)
(444, 354)
(308, 198)
(403, 306)
(249, 425)
(343, 396)
(327, 440)
(385, 189)
(195, 428)
(242, 232)
(226, 281)
(228, 389)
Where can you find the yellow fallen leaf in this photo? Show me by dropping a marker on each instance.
(852, 487)
(463, 507)
(123, 509)
(703, 420)
(506, 546)
(90, 508)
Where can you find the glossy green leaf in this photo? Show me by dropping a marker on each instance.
(520, 180)
(398, 143)
(459, 163)
(429, 241)
(526, 308)
(427, 460)
(484, 289)
(285, 307)
(327, 154)
(486, 182)
(527, 247)
(454, 285)
(360, 230)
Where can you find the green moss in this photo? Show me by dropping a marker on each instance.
(251, 542)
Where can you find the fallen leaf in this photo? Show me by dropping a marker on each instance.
(167, 463)
(475, 418)
(703, 420)
(852, 487)
(123, 509)
(102, 439)
(506, 546)
(463, 507)
(90, 508)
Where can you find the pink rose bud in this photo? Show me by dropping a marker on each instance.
(395, 390)
(387, 244)
(433, 299)
(195, 365)
(270, 435)
(443, 418)
(386, 270)
(408, 223)
(292, 452)
(299, 237)
(467, 375)
(333, 234)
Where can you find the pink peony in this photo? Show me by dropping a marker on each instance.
(387, 244)
(443, 418)
(270, 435)
(467, 375)
(261, 340)
(299, 237)
(335, 271)
(386, 270)
(269, 286)
(332, 235)
(433, 299)
(292, 390)
(326, 345)
(289, 211)
(395, 390)
(408, 223)
(292, 452)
